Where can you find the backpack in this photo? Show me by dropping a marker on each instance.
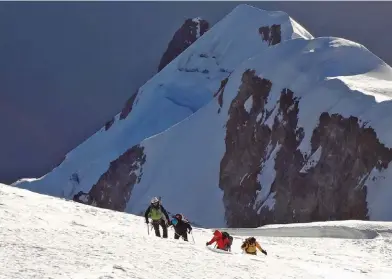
(155, 213)
(181, 217)
(248, 242)
(227, 235)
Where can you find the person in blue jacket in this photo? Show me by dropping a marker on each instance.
(181, 227)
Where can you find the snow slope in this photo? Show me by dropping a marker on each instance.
(46, 237)
(179, 90)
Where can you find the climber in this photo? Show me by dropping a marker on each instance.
(181, 227)
(250, 246)
(223, 240)
(157, 213)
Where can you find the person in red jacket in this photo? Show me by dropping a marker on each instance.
(222, 240)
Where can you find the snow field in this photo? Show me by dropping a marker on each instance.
(45, 237)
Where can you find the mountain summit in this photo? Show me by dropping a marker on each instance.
(256, 122)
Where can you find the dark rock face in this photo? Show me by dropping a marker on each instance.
(84, 198)
(332, 188)
(128, 106)
(220, 92)
(245, 146)
(109, 124)
(114, 187)
(188, 33)
(271, 34)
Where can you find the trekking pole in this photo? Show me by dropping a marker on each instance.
(148, 229)
(193, 238)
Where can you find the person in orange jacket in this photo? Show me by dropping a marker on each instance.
(250, 246)
(223, 240)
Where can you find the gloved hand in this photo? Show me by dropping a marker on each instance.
(146, 221)
(189, 231)
(264, 252)
(207, 244)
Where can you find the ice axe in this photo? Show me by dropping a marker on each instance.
(193, 238)
(148, 228)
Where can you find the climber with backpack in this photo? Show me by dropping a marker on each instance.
(250, 246)
(159, 217)
(223, 240)
(181, 227)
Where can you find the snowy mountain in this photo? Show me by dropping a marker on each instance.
(256, 122)
(45, 237)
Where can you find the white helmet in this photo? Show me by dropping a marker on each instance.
(154, 200)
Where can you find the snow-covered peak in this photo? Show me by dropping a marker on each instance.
(239, 36)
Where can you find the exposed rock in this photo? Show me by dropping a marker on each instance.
(82, 197)
(114, 187)
(128, 106)
(271, 34)
(109, 124)
(220, 92)
(331, 188)
(245, 147)
(188, 33)
(334, 189)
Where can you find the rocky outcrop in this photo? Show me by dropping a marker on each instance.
(84, 198)
(109, 124)
(328, 184)
(334, 189)
(128, 106)
(245, 147)
(188, 33)
(114, 187)
(271, 34)
(220, 92)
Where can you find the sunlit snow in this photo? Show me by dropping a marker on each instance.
(45, 237)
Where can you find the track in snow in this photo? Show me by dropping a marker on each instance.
(45, 237)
